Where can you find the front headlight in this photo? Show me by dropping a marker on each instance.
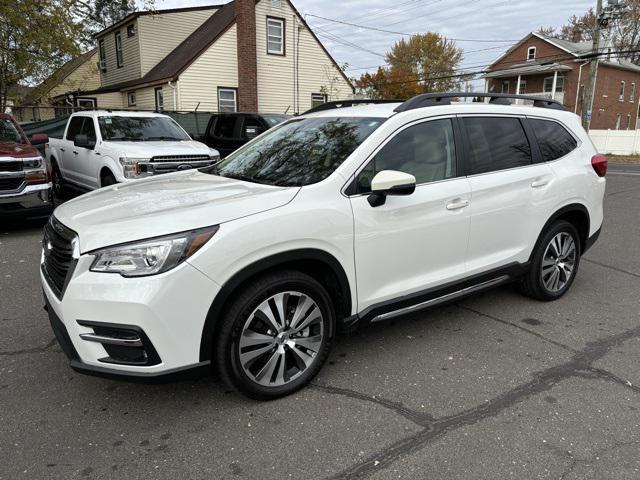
(214, 155)
(32, 163)
(131, 166)
(153, 256)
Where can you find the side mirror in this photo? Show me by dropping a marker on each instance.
(39, 138)
(390, 182)
(82, 141)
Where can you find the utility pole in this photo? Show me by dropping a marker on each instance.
(593, 70)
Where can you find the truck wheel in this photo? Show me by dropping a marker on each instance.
(108, 179)
(275, 335)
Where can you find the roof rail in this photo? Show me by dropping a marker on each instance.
(347, 103)
(437, 99)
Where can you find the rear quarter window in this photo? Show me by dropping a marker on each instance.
(553, 139)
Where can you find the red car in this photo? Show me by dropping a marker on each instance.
(25, 176)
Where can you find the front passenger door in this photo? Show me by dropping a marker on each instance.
(419, 241)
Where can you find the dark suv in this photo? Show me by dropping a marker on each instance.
(226, 132)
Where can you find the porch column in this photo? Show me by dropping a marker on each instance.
(555, 82)
(518, 86)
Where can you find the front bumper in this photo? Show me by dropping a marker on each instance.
(168, 309)
(31, 202)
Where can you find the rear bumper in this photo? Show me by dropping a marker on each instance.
(34, 201)
(591, 240)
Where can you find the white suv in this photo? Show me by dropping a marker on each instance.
(334, 219)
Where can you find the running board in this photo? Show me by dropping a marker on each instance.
(442, 299)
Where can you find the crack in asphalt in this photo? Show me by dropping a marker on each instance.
(30, 350)
(578, 366)
(633, 274)
(621, 192)
(593, 458)
(519, 327)
(607, 375)
(419, 418)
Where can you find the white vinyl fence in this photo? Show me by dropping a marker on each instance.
(616, 142)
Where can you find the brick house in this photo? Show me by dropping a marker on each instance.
(554, 68)
(246, 55)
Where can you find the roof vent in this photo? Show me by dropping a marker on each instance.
(276, 3)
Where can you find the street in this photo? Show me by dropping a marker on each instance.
(495, 386)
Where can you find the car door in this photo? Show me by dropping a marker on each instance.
(508, 190)
(416, 242)
(87, 165)
(69, 168)
(226, 134)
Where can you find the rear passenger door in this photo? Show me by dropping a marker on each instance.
(509, 186)
(225, 135)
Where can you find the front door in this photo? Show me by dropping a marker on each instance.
(88, 174)
(416, 242)
(70, 161)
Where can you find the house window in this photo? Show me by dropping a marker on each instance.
(118, 39)
(531, 53)
(628, 121)
(131, 30)
(227, 100)
(275, 36)
(318, 99)
(131, 99)
(159, 99)
(632, 97)
(505, 86)
(618, 122)
(548, 84)
(86, 103)
(621, 98)
(523, 87)
(102, 65)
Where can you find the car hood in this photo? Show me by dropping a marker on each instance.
(158, 148)
(163, 205)
(17, 150)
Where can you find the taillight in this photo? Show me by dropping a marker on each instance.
(599, 163)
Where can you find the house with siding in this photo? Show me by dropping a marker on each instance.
(60, 90)
(550, 67)
(246, 55)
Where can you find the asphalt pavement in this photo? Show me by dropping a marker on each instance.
(496, 386)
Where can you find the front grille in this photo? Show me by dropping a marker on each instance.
(58, 263)
(11, 183)
(181, 158)
(11, 166)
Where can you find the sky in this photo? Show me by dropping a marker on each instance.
(491, 25)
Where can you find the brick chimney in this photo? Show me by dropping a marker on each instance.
(245, 11)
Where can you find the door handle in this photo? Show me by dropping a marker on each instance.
(457, 204)
(75, 153)
(539, 183)
(62, 149)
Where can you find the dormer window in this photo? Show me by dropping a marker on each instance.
(131, 30)
(531, 53)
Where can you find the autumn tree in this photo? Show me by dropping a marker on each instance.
(97, 15)
(36, 37)
(424, 63)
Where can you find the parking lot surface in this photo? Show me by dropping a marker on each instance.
(495, 386)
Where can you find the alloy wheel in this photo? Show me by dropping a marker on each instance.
(558, 262)
(281, 339)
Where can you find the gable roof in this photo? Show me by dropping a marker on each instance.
(58, 77)
(179, 59)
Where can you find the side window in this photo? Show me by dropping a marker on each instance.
(225, 127)
(426, 150)
(252, 128)
(496, 143)
(89, 130)
(74, 128)
(553, 139)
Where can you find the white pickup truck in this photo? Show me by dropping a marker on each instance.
(101, 148)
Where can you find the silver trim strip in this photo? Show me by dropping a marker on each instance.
(124, 342)
(442, 299)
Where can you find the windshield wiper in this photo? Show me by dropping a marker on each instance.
(238, 176)
(167, 139)
(124, 139)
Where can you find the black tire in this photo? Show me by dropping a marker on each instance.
(533, 284)
(59, 187)
(238, 315)
(107, 179)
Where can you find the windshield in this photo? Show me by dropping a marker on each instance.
(9, 132)
(299, 152)
(274, 120)
(140, 129)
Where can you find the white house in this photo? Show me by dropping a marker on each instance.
(246, 55)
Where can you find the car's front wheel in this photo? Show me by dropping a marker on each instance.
(554, 263)
(275, 335)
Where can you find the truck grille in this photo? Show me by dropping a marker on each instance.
(11, 183)
(181, 158)
(58, 263)
(10, 166)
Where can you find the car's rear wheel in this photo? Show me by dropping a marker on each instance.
(554, 263)
(275, 335)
